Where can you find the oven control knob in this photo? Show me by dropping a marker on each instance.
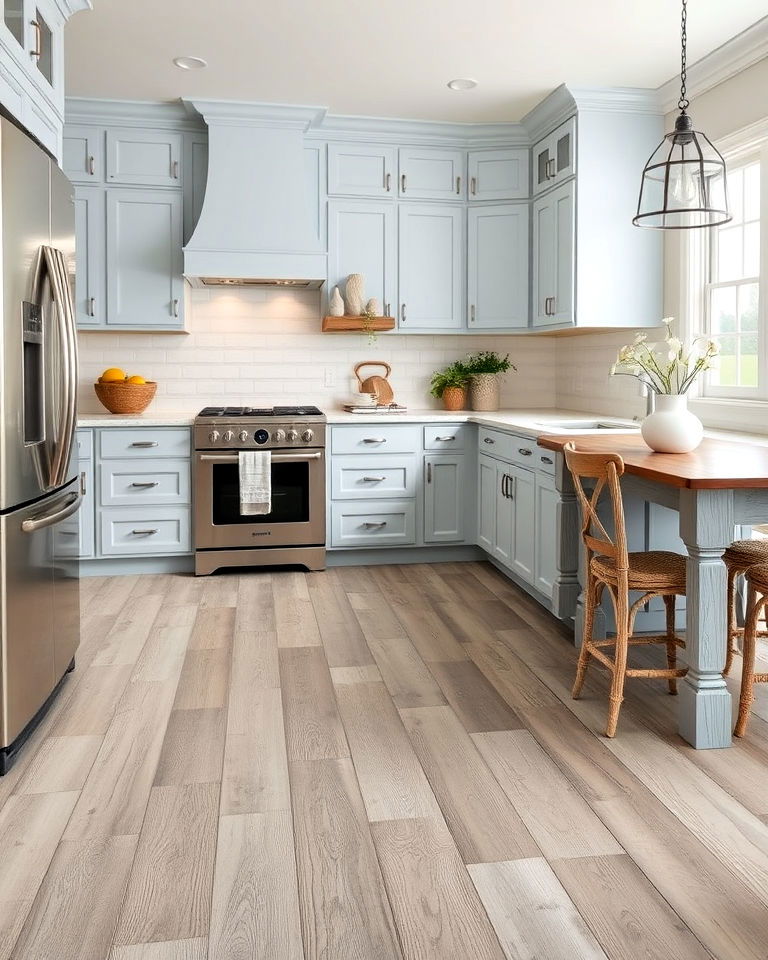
(278, 436)
(292, 436)
(229, 436)
(243, 435)
(261, 436)
(213, 436)
(307, 436)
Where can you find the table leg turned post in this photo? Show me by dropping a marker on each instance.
(706, 527)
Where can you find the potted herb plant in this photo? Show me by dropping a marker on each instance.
(450, 386)
(484, 369)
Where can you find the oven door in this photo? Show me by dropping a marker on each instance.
(297, 517)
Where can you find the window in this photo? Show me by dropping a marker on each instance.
(732, 259)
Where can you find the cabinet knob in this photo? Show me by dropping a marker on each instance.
(472, 313)
(458, 185)
(473, 185)
(175, 170)
(524, 451)
(38, 51)
(402, 313)
(402, 183)
(91, 166)
(488, 440)
(388, 182)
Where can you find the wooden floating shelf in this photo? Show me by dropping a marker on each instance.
(355, 324)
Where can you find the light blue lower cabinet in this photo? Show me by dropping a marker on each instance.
(130, 531)
(363, 478)
(380, 523)
(522, 494)
(444, 494)
(547, 540)
(144, 482)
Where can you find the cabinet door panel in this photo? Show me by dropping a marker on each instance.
(486, 502)
(83, 155)
(430, 261)
(427, 174)
(497, 266)
(544, 239)
(444, 498)
(361, 171)
(564, 150)
(144, 157)
(144, 282)
(90, 228)
(523, 490)
(547, 501)
(504, 533)
(361, 239)
(498, 175)
(195, 180)
(565, 225)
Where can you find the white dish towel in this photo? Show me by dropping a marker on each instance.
(255, 482)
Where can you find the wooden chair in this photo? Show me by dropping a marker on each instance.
(739, 557)
(610, 566)
(757, 598)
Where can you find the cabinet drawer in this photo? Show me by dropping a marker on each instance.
(545, 461)
(381, 524)
(495, 444)
(125, 482)
(385, 477)
(525, 451)
(145, 442)
(144, 530)
(83, 445)
(445, 438)
(376, 438)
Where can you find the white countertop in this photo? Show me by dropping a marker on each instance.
(151, 418)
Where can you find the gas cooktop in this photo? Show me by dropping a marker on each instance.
(260, 412)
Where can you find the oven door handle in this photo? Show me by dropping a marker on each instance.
(233, 457)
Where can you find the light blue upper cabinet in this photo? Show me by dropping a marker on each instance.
(554, 157)
(362, 239)
(497, 175)
(90, 231)
(497, 266)
(430, 174)
(431, 244)
(144, 157)
(361, 170)
(554, 224)
(83, 154)
(144, 259)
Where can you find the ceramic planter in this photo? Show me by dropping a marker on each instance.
(484, 391)
(672, 428)
(455, 398)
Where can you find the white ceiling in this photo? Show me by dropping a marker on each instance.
(389, 57)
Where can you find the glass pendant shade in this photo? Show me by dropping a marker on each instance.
(683, 183)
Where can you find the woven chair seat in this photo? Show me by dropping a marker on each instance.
(652, 570)
(743, 553)
(757, 577)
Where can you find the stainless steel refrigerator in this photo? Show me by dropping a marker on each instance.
(40, 493)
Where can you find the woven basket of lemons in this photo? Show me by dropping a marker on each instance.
(123, 394)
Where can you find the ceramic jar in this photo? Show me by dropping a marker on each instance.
(355, 294)
(672, 428)
(484, 391)
(455, 398)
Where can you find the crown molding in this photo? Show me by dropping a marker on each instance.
(565, 101)
(735, 55)
(69, 8)
(387, 129)
(131, 113)
(744, 141)
(241, 113)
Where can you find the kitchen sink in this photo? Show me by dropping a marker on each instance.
(582, 425)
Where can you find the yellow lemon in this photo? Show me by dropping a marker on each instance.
(112, 375)
(136, 379)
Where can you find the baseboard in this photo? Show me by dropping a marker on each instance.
(353, 558)
(125, 566)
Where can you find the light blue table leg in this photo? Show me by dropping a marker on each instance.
(706, 527)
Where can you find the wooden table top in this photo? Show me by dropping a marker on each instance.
(715, 465)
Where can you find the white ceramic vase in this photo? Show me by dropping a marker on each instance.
(355, 294)
(672, 428)
(337, 304)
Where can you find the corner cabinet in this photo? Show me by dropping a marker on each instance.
(431, 244)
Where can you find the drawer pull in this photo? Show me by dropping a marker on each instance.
(374, 479)
(370, 525)
(374, 439)
(144, 533)
(488, 440)
(145, 483)
(524, 451)
(547, 460)
(444, 439)
(145, 443)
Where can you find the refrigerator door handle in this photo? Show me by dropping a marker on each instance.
(72, 501)
(57, 273)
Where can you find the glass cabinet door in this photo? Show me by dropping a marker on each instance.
(43, 46)
(13, 16)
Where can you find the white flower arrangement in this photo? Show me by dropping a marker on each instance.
(666, 367)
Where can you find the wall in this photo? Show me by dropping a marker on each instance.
(264, 347)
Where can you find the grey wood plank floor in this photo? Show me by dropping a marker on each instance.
(366, 763)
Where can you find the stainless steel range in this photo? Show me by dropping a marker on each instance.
(293, 532)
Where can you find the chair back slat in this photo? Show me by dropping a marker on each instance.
(605, 469)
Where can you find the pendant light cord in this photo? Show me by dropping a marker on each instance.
(683, 102)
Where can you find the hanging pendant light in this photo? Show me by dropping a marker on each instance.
(684, 181)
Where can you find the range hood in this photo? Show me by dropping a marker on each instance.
(256, 225)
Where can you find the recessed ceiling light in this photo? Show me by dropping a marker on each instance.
(462, 83)
(190, 63)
